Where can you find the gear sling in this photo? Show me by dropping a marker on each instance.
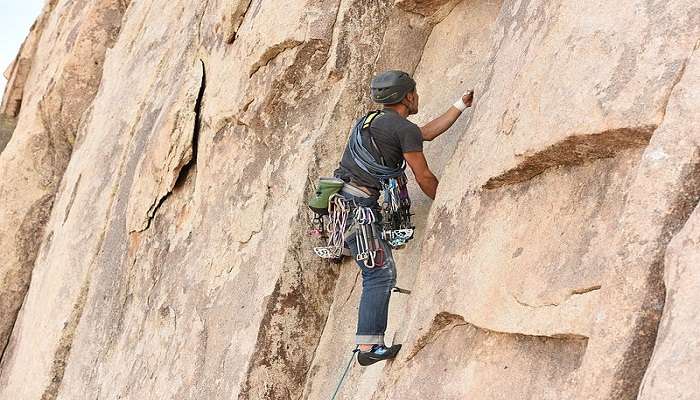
(396, 227)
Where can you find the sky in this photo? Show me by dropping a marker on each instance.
(16, 17)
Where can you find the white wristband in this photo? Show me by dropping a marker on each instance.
(459, 104)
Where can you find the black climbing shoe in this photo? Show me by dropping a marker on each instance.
(378, 353)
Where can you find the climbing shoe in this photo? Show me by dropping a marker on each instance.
(379, 352)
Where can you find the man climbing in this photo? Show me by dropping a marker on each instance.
(374, 160)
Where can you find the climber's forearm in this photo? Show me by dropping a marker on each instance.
(436, 127)
(442, 123)
(428, 184)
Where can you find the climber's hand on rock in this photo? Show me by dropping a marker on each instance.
(436, 127)
(463, 102)
(467, 98)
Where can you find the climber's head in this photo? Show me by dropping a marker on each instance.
(395, 89)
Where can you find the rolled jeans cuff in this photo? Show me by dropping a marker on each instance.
(369, 339)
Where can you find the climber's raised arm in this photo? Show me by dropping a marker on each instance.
(425, 178)
(436, 127)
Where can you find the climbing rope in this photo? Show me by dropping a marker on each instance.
(365, 160)
(347, 368)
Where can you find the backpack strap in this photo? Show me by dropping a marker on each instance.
(368, 125)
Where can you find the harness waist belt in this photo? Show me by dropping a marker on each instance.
(354, 191)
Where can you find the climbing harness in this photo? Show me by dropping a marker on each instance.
(338, 210)
(342, 378)
(395, 228)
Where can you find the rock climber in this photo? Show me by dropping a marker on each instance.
(394, 139)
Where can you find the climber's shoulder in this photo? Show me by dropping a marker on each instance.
(406, 135)
(401, 129)
(390, 119)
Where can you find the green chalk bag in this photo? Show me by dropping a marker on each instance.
(325, 188)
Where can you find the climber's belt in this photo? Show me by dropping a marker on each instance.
(353, 190)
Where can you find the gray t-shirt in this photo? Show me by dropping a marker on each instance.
(394, 135)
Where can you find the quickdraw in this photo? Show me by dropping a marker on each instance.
(397, 229)
(369, 250)
(338, 211)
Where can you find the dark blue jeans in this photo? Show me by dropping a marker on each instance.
(377, 284)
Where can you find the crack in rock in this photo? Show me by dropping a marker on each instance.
(678, 79)
(444, 322)
(234, 19)
(569, 296)
(186, 163)
(352, 289)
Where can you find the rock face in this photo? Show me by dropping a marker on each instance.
(53, 81)
(672, 373)
(153, 215)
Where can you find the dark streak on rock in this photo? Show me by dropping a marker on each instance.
(352, 289)
(28, 241)
(7, 127)
(72, 199)
(678, 78)
(430, 9)
(574, 150)
(65, 344)
(638, 354)
(290, 329)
